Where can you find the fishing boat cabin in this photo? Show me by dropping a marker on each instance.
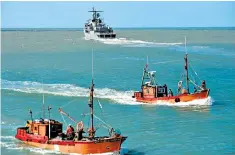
(39, 129)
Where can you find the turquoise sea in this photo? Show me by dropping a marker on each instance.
(57, 63)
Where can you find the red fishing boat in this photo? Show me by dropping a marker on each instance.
(47, 134)
(151, 92)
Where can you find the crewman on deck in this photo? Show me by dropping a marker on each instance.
(179, 86)
(70, 132)
(204, 84)
(117, 133)
(79, 131)
(184, 91)
(28, 125)
(91, 133)
(170, 93)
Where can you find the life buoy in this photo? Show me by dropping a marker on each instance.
(177, 100)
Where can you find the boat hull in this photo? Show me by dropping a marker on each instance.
(95, 36)
(104, 145)
(80, 148)
(173, 99)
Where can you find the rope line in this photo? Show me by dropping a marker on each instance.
(102, 112)
(64, 119)
(68, 103)
(102, 121)
(196, 84)
(195, 72)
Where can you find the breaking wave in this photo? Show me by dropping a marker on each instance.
(121, 97)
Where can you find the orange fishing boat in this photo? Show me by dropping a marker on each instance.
(47, 134)
(151, 92)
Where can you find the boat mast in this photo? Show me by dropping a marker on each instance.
(145, 70)
(91, 102)
(186, 65)
(94, 13)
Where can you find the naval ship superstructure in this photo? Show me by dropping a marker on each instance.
(95, 28)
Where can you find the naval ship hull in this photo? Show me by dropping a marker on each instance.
(95, 36)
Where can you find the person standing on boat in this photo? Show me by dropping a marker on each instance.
(70, 132)
(28, 126)
(170, 93)
(203, 84)
(179, 86)
(91, 132)
(80, 131)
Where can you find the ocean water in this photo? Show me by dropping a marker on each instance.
(58, 65)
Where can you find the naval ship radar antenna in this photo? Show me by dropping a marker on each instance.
(94, 12)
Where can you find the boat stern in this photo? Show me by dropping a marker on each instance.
(137, 95)
(21, 133)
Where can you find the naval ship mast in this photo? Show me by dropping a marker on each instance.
(95, 13)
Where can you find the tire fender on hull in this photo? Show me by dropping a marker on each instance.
(177, 100)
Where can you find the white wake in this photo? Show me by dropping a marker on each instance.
(120, 97)
(134, 43)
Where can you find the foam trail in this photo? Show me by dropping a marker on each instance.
(121, 97)
(199, 102)
(134, 43)
(11, 143)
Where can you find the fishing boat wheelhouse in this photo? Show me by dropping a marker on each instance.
(151, 92)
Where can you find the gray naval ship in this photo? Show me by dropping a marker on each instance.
(95, 28)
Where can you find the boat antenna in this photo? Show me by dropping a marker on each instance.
(43, 104)
(186, 64)
(147, 62)
(91, 103)
(185, 43)
(92, 71)
(49, 109)
(31, 114)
